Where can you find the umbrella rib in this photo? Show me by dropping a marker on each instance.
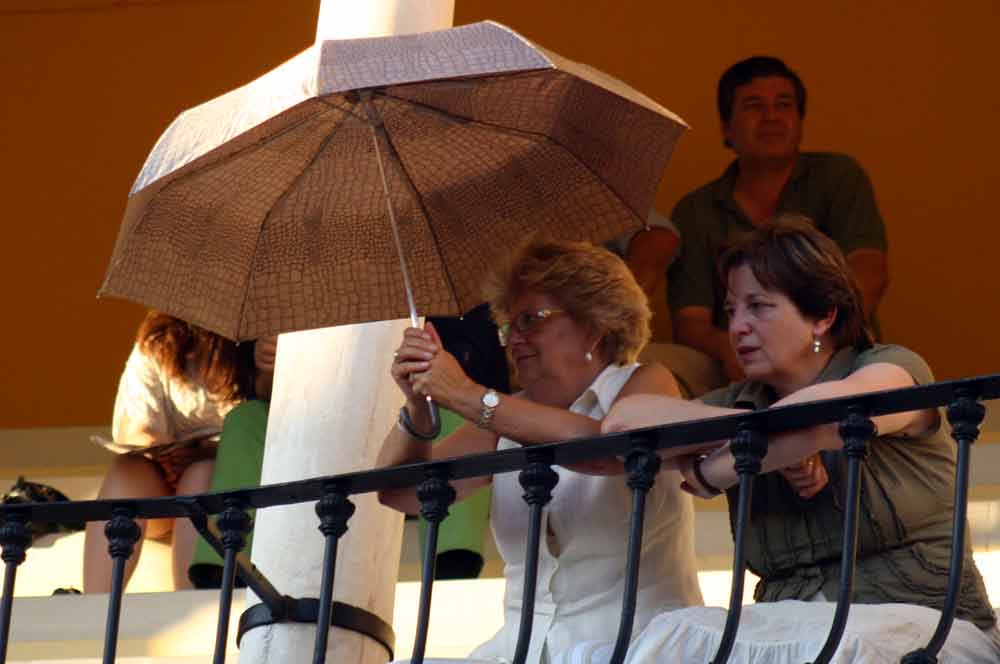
(520, 133)
(270, 211)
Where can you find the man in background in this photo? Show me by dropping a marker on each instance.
(762, 104)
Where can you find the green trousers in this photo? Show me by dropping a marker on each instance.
(237, 465)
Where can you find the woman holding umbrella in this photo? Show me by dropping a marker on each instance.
(797, 326)
(573, 320)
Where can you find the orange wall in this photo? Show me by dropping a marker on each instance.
(908, 92)
(87, 93)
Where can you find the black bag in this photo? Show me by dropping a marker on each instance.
(474, 342)
(24, 491)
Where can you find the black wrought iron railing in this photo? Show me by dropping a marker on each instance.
(748, 432)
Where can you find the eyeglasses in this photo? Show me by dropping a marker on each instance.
(524, 323)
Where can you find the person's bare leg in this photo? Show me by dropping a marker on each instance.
(196, 479)
(128, 477)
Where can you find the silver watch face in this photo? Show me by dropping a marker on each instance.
(491, 399)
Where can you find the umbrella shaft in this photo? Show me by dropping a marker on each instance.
(395, 231)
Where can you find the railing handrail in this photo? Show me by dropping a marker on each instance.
(747, 430)
(672, 437)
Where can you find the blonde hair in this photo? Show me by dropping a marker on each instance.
(593, 285)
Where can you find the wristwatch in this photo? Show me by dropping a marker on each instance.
(490, 402)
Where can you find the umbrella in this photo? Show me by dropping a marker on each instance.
(285, 204)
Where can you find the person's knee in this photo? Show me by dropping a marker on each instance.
(197, 478)
(132, 476)
(130, 465)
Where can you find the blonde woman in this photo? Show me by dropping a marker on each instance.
(574, 320)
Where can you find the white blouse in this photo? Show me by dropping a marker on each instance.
(171, 410)
(581, 571)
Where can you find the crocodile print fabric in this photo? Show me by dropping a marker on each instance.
(263, 211)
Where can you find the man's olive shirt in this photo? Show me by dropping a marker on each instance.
(831, 189)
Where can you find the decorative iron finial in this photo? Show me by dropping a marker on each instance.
(334, 511)
(435, 495)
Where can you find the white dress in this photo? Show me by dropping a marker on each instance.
(581, 570)
(792, 632)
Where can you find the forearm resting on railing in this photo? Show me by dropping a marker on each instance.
(789, 448)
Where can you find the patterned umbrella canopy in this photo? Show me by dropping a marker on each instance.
(268, 209)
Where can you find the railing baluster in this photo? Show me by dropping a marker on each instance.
(642, 465)
(965, 414)
(748, 448)
(856, 430)
(15, 538)
(122, 533)
(234, 523)
(334, 511)
(435, 495)
(538, 480)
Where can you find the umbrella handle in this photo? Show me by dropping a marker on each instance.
(432, 407)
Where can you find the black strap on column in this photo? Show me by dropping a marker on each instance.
(306, 610)
(278, 608)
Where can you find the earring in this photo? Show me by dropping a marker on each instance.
(817, 345)
(589, 356)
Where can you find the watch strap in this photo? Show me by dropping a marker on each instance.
(486, 414)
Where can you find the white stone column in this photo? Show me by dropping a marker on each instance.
(332, 403)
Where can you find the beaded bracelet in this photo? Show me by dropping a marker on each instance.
(406, 426)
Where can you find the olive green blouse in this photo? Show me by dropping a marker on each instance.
(905, 520)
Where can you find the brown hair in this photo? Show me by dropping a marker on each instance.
(592, 284)
(223, 368)
(792, 257)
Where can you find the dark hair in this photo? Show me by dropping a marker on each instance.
(791, 257)
(223, 368)
(745, 71)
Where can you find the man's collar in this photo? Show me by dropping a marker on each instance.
(801, 168)
(722, 189)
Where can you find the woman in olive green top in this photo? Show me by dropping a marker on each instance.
(796, 324)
